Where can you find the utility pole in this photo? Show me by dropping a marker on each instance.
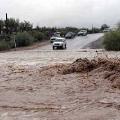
(0, 28)
(14, 41)
(6, 24)
(92, 29)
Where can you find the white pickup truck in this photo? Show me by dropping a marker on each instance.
(59, 43)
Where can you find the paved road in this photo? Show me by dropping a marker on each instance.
(76, 43)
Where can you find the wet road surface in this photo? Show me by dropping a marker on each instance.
(77, 43)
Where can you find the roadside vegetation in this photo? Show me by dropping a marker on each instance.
(14, 33)
(24, 39)
(112, 40)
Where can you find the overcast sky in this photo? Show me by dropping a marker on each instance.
(62, 13)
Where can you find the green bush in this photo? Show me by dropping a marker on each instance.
(38, 35)
(24, 39)
(112, 41)
(4, 45)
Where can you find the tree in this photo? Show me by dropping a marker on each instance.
(104, 26)
(28, 26)
(12, 25)
(25, 26)
(1, 26)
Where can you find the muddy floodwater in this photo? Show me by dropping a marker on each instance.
(32, 87)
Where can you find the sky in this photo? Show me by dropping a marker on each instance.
(63, 13)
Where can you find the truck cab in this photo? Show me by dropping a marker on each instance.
(59, 43)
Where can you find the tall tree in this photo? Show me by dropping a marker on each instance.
(1, 26)
(13, 25)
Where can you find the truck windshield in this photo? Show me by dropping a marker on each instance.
(59, 40)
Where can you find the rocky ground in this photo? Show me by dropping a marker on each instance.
(82, 90)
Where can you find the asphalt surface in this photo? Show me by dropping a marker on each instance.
(77, 43)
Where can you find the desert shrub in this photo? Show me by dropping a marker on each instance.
(12, 43)
(112, 41)
(37, 35)
(24, 39)
(4, 45)
(46, 35)
(6, 42)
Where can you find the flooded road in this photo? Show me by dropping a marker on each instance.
(44, 55)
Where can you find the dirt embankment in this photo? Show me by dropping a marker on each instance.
(83, 90)
(33, 46)
(110, 68)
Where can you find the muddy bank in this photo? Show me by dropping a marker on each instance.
(31, 47)
(83, 90)
(109, 67)
(95, 45)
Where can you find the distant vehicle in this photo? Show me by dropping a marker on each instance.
(59, 43)
(82, 33)
(52, 39)
(57, 34)
(107, 30)
(70, 35)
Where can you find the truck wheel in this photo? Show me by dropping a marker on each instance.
(53, 47)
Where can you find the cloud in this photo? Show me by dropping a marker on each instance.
(63, 12)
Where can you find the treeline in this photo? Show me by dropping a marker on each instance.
(14, 25)
(14, 33)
